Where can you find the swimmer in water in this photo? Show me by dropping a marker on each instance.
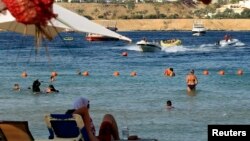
(191, 81)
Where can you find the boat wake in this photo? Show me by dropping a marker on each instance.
(239, 44)
(133, 47)
(193, 48)
(184, 48)
(176, 49)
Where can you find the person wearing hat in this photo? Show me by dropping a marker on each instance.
(108, 129)
(191, 81)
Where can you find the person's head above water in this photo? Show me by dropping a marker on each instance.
(192, 71)
(169, 103)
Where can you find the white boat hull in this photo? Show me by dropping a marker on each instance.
(231, 42)
(198, 29)
(198, 33)
(148, 46)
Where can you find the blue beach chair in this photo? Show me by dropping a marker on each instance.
(66, 127)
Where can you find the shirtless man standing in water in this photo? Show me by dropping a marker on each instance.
(191, 81)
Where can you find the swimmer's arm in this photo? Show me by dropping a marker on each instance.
(187, 79)
(196, 80)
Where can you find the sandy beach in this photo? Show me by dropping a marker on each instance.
(114, 12)
(177, 24)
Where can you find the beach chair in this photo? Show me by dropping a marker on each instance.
(15, 131)
(66, 127)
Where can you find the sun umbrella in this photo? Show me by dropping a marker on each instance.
(8, 22)
(82, 24)
(63, 21)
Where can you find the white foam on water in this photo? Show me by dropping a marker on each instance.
(200, 48)
(175, 49)
(239, 44)
(133, 47)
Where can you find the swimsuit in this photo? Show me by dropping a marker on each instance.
(192, 87)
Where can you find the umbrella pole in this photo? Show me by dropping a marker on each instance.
(37, 40)
(42, 30)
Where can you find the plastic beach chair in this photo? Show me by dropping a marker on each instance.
(66, 127)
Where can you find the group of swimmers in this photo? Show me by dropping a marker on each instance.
(36, 87)
(191, 79)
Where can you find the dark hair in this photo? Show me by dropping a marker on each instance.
(169, 103)
(171, 69)
(192, 71)
(70, 111)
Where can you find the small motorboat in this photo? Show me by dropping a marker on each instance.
(98, 37)
(229, 41)
(148, 46)
(68, 38)
(170, 43)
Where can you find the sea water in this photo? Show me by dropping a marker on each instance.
(136, 102)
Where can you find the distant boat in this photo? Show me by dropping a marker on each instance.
(229, 41)
(69, 30)
(99, 37)
(198, 28)
(68, 38)
(146, 46)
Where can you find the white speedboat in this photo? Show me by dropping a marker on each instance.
(148, 46)
(230, 42)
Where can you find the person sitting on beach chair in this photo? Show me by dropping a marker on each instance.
(64, 127)
(108, 129)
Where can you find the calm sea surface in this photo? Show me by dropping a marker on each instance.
(137, 102)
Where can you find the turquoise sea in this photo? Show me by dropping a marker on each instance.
(137, 102)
